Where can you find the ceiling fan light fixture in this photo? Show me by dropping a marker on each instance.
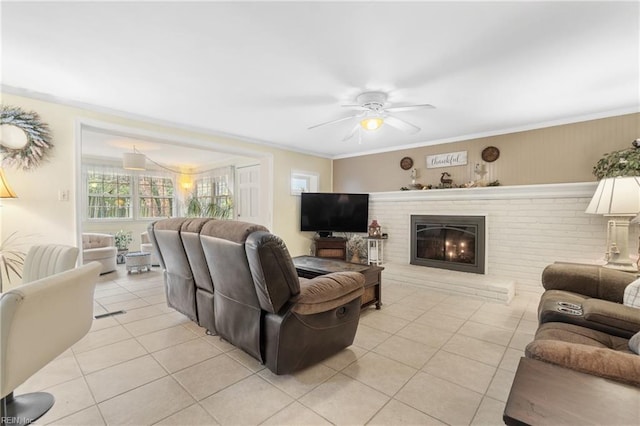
(371, 123)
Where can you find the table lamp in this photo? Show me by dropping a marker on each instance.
(617, 198)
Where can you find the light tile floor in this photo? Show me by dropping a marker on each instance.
(425, 358)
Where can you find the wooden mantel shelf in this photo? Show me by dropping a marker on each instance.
(557, 190)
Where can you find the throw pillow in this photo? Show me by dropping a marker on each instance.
(634, 343)
(631, 295)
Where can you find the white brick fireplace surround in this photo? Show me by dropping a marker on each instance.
(528, 228)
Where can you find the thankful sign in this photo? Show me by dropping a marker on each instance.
(447, 160)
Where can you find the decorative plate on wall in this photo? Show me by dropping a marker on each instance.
(406, 163)
(490, 154)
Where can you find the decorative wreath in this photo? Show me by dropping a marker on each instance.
(38, 138)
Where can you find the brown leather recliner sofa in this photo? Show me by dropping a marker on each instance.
(583, 323)
(238, 281)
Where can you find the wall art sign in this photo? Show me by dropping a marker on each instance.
(449, 159)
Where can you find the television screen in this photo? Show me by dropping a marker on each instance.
(333, 212)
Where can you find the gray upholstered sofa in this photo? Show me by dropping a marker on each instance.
(584, 325)
(238, 281)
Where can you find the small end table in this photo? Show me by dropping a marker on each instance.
(138, 261)
(375, 250)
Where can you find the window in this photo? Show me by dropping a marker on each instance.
(114, 193)
(213, 195)
(109, 194)
(155, 197)
(302, 181)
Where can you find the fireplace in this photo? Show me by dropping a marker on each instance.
(449, 242)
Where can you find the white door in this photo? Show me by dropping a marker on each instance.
(248, 196)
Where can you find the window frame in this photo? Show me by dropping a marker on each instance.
(134, 196)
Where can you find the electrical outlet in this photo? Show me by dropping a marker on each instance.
(63, 195)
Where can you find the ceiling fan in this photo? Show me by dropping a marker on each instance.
(373, 114)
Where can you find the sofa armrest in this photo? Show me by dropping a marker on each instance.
(602, 362)
(588, 280)
(328, 292)
(612, 314)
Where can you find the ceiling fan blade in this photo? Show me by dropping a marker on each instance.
(352, 132)
(408, 107)
(333, 121)
(405, 126)
(356, 107)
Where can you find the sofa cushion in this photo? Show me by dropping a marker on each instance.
(571, 333)
(602, 362)
(589, 351)
(328, 292)
(612, 314)
(632, 294)
(634, 343)
(99, 253)
(588, 280)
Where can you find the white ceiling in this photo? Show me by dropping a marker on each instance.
(266, 71)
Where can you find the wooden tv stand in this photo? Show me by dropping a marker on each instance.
(331, 247)
(311, 267)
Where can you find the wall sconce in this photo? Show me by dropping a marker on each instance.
(185, 182)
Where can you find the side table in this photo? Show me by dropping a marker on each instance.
(547, 394)
(138, 261)
(375, 250)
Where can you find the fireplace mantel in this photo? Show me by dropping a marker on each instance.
(528, 226)
(558, 190)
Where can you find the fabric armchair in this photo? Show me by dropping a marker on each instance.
(44, 260)
(146, 246)
(39, 321)
(100, 248)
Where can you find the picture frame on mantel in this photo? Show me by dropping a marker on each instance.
(450, 159)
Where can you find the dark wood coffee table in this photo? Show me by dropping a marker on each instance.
(547, 394)
(311, 267)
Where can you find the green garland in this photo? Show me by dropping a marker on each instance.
(625, 162)
(38, 138)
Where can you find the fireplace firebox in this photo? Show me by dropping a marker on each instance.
(449, 242)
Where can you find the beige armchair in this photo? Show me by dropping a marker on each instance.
(39, 321)
(146, 246)
(44, 260)
(100, 248)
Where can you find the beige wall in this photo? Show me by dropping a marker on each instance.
(557, 154)
(37, 211)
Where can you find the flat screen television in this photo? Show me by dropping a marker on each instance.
(334, 212)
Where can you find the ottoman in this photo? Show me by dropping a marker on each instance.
(138, 261)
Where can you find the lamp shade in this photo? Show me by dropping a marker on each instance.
(5, 188)
(133, 161)
(618, 196)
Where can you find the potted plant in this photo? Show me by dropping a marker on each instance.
(356, 248)
(11, 259)
(123, 239)
(625, 162)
